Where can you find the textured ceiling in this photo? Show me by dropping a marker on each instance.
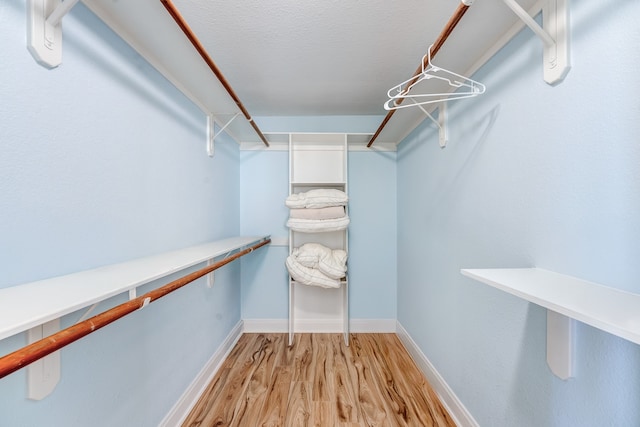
(335, 57)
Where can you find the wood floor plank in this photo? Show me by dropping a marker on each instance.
(203, 411)
(347, 410)
(303, 358)
(205, 404)
(419, 404)
(287, 353)
(385, 383)
(322, 375)
(319, 382)
(300, 404)
(250, 405)
(420, 394)
(322, 414)
(372, 407)
(275, 406)
(222, 409)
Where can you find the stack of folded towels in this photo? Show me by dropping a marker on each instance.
(317, 211)
(316, 265)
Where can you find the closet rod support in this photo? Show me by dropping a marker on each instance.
(60, 11)
(43, 375)
(44, 30)
(441, 122)
(211, 135)
(554, 33)
(211, 278)
(531, 23)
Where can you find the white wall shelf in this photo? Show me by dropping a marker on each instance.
(611, 310)
(29, 305)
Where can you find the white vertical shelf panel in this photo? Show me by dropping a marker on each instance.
(605, 308)
(318, 160)
(25, 306)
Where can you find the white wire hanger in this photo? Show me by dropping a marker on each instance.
(464, 87)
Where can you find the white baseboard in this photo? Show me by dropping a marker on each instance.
(189, 398)
(379, 326)
(456, 409)
(320, 325)
(259, 326)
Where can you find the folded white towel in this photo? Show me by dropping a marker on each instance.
(318, 198)
(331, 212)
(318, 225)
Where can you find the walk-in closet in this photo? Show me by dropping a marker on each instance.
(392, 213)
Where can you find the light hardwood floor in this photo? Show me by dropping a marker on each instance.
(319, 382)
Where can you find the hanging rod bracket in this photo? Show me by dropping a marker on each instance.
(441, 122)
(554, 33)
(43, 375)
(211, 278)
(442, 125)
(211, 134)
(44, 30)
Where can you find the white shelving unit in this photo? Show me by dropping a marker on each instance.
(32, 304)
(567, 298)
(318, 161)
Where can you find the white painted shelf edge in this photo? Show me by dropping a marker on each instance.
(609, 309)
(31, 304)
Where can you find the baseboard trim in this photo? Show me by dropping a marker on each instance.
(457, 410)
(373, 325)
(263, 326)
(189, 398)
(319, 325)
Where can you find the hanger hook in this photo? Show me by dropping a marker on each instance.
(428, 55)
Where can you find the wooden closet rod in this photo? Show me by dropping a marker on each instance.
(444, 35)
(175, 14)
(39, 349)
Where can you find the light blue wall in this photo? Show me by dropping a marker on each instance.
(372, 235)
(372, 232)
(103, 161)
(264, 185)
(533, 176)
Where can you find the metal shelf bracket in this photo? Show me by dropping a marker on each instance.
(554, 33)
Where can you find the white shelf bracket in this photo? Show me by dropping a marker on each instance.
(211, 135)
(87, 313)
(44, 30)
(43, 375)
(554, 34)
(441, 123)
(560, 344)
(211, 278)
